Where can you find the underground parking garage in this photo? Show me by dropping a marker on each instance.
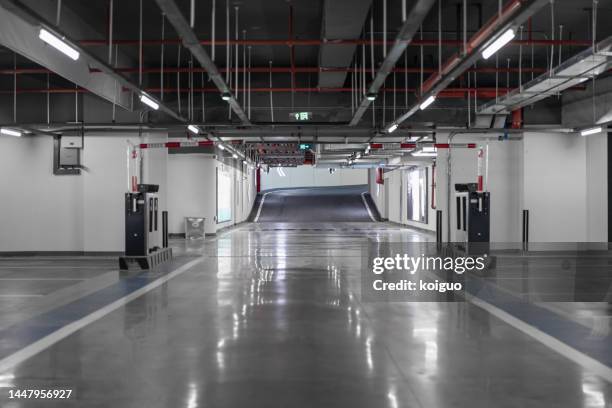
(334, 203)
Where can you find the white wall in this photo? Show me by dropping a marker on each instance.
(192, 191)
(504, 183)
(309, 176)
(555, 187)
(394, 189)
(597, 187)
(40, 211)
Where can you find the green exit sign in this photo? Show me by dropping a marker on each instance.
(302, 116)
(305, 146)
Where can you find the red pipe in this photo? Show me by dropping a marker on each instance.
(433, 186)
(175, 145)
(517, 118)
(318, 42)
(450, 93)
(436, 145)
(380, 178)
(266, 70)
(474, 42)
(291, 47)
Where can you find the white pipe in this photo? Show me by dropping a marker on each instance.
(271, 103)
(244, 72)
(249, 87)
(140, 45)
(237, 94)
(58, 13)
(178, 79)
(373, 74)
(161, 75)
(212, 30)
(110, 32)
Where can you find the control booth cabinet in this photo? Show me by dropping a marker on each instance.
(473, 214)
(143, 235)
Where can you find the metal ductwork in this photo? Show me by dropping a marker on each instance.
(20, 32)
(515, 13)
(341, 19)
(581, 67)
(405, 35)
(191, 42)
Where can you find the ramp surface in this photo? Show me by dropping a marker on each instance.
(315, 204)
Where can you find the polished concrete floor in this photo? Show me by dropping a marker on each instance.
(269, 315)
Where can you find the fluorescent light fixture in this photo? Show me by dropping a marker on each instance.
(591, 131)
(193, 129)
(427, 102)
(10, 132)
(149, 102)
(371, 96)
(498, 44)
(235, 156)
(58, 44)
(426, 151)
(226, 96)
(425, 154)
(392, 128)
(221, 147)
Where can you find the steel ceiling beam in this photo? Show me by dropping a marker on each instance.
(518, 13)
(406, 33)
(20, 27)
(191, 42)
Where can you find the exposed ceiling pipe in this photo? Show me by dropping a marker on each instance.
(190, 41)
(406, 33)
(515, 13)
(289, 134)
(450, 93)
(275, 70)
(21, 19)
(317, 42)
(587, 64)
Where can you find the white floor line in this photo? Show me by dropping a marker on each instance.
(41, 279)
(576, 356)
(263, 198)
(47, 341)
(18, 295)
(365, 202)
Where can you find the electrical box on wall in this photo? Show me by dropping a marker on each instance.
(67, 153)
(71, 142)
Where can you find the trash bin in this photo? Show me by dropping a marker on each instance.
(194, 227)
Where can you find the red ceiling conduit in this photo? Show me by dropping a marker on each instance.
(433, 186)
(415, 145)
(175, 145)
(380, 179)
(275, 70)
(474, 42)
(450, 93)
(318, 42)
(517, 118)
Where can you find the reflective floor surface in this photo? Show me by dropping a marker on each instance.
(271, 317)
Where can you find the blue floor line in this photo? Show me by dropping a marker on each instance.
(22, 334)
(561, 328)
